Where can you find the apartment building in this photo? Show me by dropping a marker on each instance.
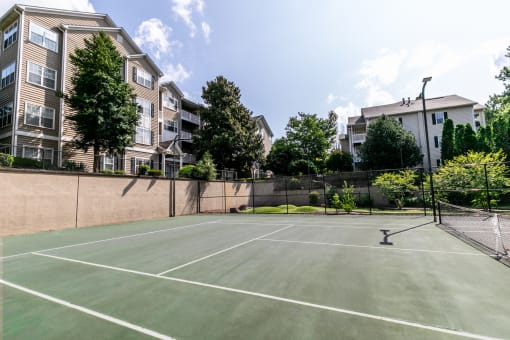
(409, 114)
(179, 119)
(34, 61)
(265, 132)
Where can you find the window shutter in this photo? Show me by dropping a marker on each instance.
(436, 141)
(101, 162)
(433, 119)
(153, 80)
(134, 74)
(152, 137)
(445, 115)
(152, 164)
(152, 110)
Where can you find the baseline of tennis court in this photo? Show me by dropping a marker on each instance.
(253, 277)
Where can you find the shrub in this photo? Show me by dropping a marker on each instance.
(313, 197)
(205, 167)
(155, 172)
(6, 160)
(396, 187)
(294, 184)
(364, 200)
(187, 171)
(347, 201)
(71, 165)
(119, 172)
(106, 171)
(142, 169)
(27, 163)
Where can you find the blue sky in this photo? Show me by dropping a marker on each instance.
(290, 56)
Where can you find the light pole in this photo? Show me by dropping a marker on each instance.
(425, 81)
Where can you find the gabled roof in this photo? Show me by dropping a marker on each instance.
(356, 120)
(479, 107)
(260, 119)
(173, 86)
(438, 103)
(112, 26)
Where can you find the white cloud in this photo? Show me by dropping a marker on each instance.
(77, 5)
(184, 9)
(331, 98)
(344, 112)
(155, 36)
(206, 30)
(175, 73)
(384, 69)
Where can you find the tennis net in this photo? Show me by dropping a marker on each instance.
(487, 231)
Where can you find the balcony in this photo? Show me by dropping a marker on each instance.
(186, 136)
(190, 117)
(167, 136)
(188, 158)
(359, 137)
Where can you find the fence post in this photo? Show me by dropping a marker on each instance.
(198, 197)
(422, 177)
(487, 187)
(286, 194)
(225, 194)
(369, 196)
(253, 193)
(325, 198)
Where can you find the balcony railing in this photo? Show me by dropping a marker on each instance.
(190, 117)
(359, 137)
(189, 158)
(186, 136)
(167, 136)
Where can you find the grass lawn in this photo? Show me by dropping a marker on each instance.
(306, 209)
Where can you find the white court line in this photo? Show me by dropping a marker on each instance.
(82, 309)
(373, 247)
(109, 239)
(222, 251)
(281, 299)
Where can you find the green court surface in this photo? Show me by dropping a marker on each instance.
(252, 277)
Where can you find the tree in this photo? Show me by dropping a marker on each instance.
(228, 131)
(397, 187)
(339, 160)
(499, 104)
(447, 140)
(463, 178)
(389, 146)
(458, 140)
(501, 133)
(484, 139)
(470, 141)
(206, 168)
(105, 115)
(311, 136)
(280, 156)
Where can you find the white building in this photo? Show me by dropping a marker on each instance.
(410, 115)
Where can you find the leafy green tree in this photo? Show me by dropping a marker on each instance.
(389, 146)
(228, 131)
(302, 167)
(106, 116)
(281, 154)
(339, 160)
(348, 201)
(484, 139)
(499, 104)
(397, 186)
(311, 137)
(458, 142)
(463, 177)
(470, 141)
(447, 140)
(206, 168)
(501, 133)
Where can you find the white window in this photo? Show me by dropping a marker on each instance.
(6, 115)
(140, 161)
(43, 37)
(143, 130)
(143, 78)
(10, 35)
(38, 153)
(41, 75)
(439, 117)
(437, 141)
(170, 125)
(108, 162)
(4, 148)
(169, 101)
(8, 74)
(38, 115)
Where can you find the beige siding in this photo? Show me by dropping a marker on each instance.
(37, 142)
(78, 156)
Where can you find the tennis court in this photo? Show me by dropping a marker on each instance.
(253, 277)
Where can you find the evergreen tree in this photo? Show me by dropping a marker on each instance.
(501, 133)
(228, 131)
(105, 117)
(281, 155)
(458, 145)
(447, 142)
(484, 139)
(470, 142)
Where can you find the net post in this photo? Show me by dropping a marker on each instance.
(385, 237)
